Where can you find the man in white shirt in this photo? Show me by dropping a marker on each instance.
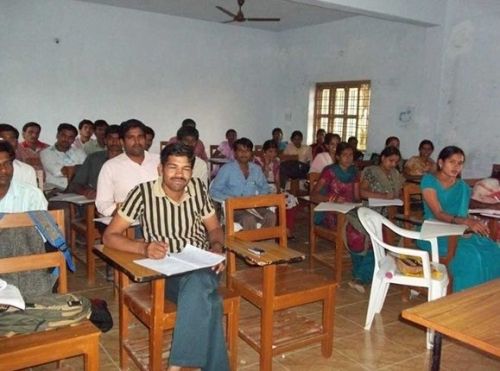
(22, 171)
(57, 158)
(189, 136)
(123, 172)
(86, 130)
(15, 196)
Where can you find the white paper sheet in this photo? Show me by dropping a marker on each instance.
(335, 206)
(379, 202)
(10, 295)
(191, 258)
(434, 228)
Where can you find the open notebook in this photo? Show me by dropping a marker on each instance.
(189, 259)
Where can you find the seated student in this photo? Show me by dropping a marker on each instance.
(175, 210)
(395, 142)
(353, 142)
(383, 180)
(150, 136)
(123, 172)
(339, 182)
(15, 196)
(188, 135)
(29, 150)
(242, 177)
(98, 144)
(58, 157)
(86, 130)
(199, 150)
(270, 164)
(319, 146)
(295, 169)
(446, 198)
(417, 166)
(278, 139)
(85, 180)
(225, 148)
(328, 157)
(22, 171)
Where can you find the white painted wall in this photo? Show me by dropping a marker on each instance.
(116, 63)
(447, 75)
(360, 48)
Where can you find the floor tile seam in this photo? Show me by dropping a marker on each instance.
(101, 345)
(90, 289)
(400, 362)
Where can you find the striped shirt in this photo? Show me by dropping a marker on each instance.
(164, 219)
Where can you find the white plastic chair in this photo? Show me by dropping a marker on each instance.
(386, 271)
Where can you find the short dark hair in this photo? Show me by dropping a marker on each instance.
(341, 147)
(187, 131)
(177, 149)
(230, 131)
(6, 147)
(189, 122)
(277, 130)
(390, 139)
(329, 137)
(85, 122)
(319, 131)
(112, 129)
(150, 131)
(31, 124)
(125, 126)
(296, 133)
(352, 138)
(66, 126)
(426, 142)
(268, 144)
(244, 142)
(390, 151)
(449, 151)
(100, 123)
(8, 127)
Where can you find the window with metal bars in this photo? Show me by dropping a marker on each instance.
(343, 108)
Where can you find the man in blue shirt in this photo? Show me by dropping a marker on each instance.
(242, 177)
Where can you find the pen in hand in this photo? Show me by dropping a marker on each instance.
(156, 250)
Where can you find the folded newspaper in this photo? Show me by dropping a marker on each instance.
(189, 259)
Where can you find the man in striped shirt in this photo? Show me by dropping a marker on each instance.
(175, 210)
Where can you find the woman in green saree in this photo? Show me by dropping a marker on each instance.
(446, 198)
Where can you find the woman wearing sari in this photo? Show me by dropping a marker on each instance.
(383, 180)
(446, 198)
(339, 182)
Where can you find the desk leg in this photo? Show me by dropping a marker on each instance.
(123, 282)
(156, 325)
(90, 239)
(266, 321)
(436, 352)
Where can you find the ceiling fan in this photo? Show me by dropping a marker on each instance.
(239, 17)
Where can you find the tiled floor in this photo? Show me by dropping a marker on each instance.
(392, 344)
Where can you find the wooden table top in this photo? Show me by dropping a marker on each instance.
(274, 254)
(471, 316)
(124, 261)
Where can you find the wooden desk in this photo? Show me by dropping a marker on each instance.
(492, 222)
(471, 316)
(274, 290)
(154, 311)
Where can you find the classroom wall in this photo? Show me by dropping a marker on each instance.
(446, 76)
(116, 64)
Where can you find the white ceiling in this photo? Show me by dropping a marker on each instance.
(292, 14)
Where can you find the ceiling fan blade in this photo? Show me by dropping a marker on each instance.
(230, 21)
(226, 11)
(263, 19)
